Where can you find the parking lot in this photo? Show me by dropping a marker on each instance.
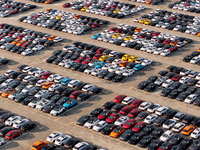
(66, 122)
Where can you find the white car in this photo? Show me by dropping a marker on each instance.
(57, 110)
(20, 122)
(9, 72)
(121, 120)
(99, 126)
(197, 84)
(127, 100)
(184, 79)
(178, 127)
(62, 139)
(39, 73)
(58, 39)
(53, 136)
(2, 141)
(169, 123)
(92, 122)
(150, 118)
(54, 87)
(166, 136)
(87, 87)
(95, 72)
(147, 62)
(5, 83)
(80, 146)
(190, 98)
(153, 108)
(12, 120)
(40, 93)
(28, 78)
(73, 83)
(165, 52)
(27, 51)
(186, 72)
(37, 47)
(161, 110)
(128, 72)
(195, 134)
(39, 83)
(160, 80)
(198, 77)
(27, 88)
(41, 104)
(145, 105)
(167, 83)
(52, 77)
(195, 59)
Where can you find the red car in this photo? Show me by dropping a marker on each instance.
(87, 61)
(129, 124)
(100, 50)
(133, 113)
(103, 115)
(46, 75)
(13, 134)
(173, 48)
(75, 94)
(119, 30)
(112, 118)
(176, 77)
(166, 41)
(26, 44)
(95, 25)
(2, 36)
(106, 9)
(139, 126)
(142, 35)
(125, 110)
(119, 98)
(156, 33)
(97, 56)
(20, 36)
(13, 11)
(165, 146)
(11, 33)
(114, 6)
(172, 18)
(113, 29)
(66, 5)
(136, 103)
(80, 59)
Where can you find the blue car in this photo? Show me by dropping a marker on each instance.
(66, 81)
(138, 67)
(96, 36)
(70, 103)
(53, 11)
(100, 64)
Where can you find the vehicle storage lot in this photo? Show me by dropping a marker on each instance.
(66, 122)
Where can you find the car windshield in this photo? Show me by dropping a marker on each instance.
(91, 121)
(144, 140)
(116, 130)
(137, 126)
(197, 143)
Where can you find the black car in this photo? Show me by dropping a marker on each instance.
(145, 141)
(34, 91)
(2, 125)
(182, 96)
(28, 126)
(83, 67)
(90, 147)
(60, 89)
(170, 113)
(62, 100)
(67, 92)
(103, 74)
(33, 81)
(188, 119)
(171, 68)
(173, 94)
(192, 82)
(108, 105)
(3, 112)
(71, 143)
(82, 120)
(162, 72)
(154, 145)
(3, 79)
(51, 59)
(76, 66)
(83, 96)
(13, 84)
(5, 130)
(48, 147)
(197, 102)
(21, 67)
(21, 86)
(57, 60)
(117, 107)
(159, 121)
(55, 53)
(185, 143)
(151, 87)
(165, 92)
(118, 78)
(157, 132)
(15, 75)
(95, 90)
(135, 138)
(147, 130)
(195, 145)
(169, 75)
(126, 135)
(55, 98)
(187, 58)
(142, 115)
(5, 116)
(196, 121)
(175, 85)
(191, 90)
(108, 129)
(48, 95)
(47, 108)
(79, 86)
(110, 76)
(21, 76)
(28, 100)
(176, 139)
(142, 85)
(175, 147)
(130, 65)
(96, 112)
(183, 87)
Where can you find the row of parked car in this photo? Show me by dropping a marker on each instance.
(98, 61)
(10, 7)
(45, 91)
(176, 83)
(45, 1)
(142, 39)
(24, 41)
(172, 21)
(107, 8)
(59, 141)
(143, 123)
(63, 21)
(12, 126)
(193, 58)
(186, 5)
(153, 2)
(3, 61)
